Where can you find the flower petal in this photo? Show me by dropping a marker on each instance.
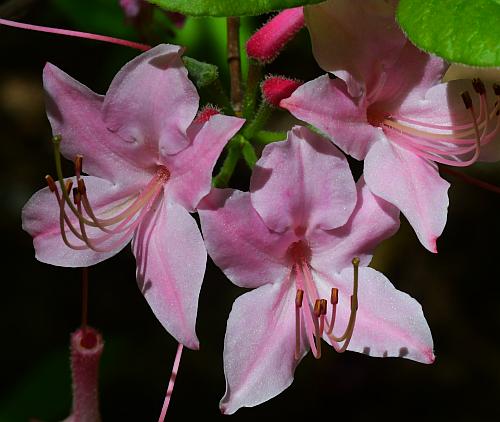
(356, 40)
(372, 221)
(151, 101)
(171, 260)
(413, 185)
(40, 218)
(325, 103)
(238, 241)
(302, 184)
(389, 323)
(259, 346)
(191, 169)
(74, 112)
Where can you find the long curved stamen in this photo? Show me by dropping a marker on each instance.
(449, 144)
(299, 298)
(122, 224)
(78, 34)
(346, 337)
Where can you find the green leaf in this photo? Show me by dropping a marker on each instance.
(229, 7)
(462, 31)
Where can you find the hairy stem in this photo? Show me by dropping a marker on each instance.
(234, 62)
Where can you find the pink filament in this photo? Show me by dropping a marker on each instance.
(78, 34)
(171, 383)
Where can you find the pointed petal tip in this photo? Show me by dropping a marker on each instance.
(430, 357)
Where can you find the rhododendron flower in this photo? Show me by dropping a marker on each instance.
(302, 238)
(390, 109)
(149, 162)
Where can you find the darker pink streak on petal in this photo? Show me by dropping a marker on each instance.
(413, 185)
(171, 260)
(259, 347)
(240, 243)
(389, 323)
(355, 39)
(409, 79)
(40, 218)
(302, 184)
(151, 102)
(372, 221)
(325, 104)
(74, 112)
(191, 169)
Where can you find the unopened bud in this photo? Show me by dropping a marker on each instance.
(277, 88)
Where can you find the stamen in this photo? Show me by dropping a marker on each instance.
(51, 183)
(478, 86)
(496, 89)
(299, 297)
(334, 300)
(346, 337)
(466, 99)
(317, 330)
(78, 165)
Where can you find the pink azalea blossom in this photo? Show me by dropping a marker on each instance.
(293, 239)
(149, 163)
(390, 108)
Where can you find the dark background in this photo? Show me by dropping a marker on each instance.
(40, 304)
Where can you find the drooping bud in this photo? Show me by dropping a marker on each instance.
(277, 88)
(201, 73)
(206, 113)
(265, 45)
(86, 349)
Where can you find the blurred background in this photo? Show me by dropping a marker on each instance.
(40, 304)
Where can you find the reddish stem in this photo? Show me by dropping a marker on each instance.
(471, 180)
(171, 383)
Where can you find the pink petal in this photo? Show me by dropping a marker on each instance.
(389, 323)
(74, 112)
(413, 185)
(302, 184)
(40, 218)
(356, 40)
(151, 101)
(372, 221)
(239, 242)
(409, 79)
(191, 169)
(326, 104)
(171, 260)
(259, 346)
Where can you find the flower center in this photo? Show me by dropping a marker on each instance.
(110, 227)
(455, 144)
(314, 311)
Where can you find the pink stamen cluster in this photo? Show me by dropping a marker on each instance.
(128, 214)
(314, 313)
(445, 144)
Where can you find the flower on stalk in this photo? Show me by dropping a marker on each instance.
(390, 108)
(149, 162)
(302, 238)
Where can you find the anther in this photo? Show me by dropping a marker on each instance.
(496, 89)
(76, 196)
(323, 305)
(81, 187)
(68, 186)
(56, 139)
(51, 183)
(334, 298)
(78, 164)
(317, 308)
(478, 86)
(466, 99)
(299, 297)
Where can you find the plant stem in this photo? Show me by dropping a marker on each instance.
(265, 137)
(253, 78)
(260, 119)
(234, 62)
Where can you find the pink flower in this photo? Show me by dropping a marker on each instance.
(390, 109)
(293, 238)
(149, 164)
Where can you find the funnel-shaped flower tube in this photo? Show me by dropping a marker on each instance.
(302, 238)
(149, 163)
(390, 109)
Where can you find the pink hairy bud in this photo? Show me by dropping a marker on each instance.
(205, 114)
(86, 350)
(265, 45)
(277, 88)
